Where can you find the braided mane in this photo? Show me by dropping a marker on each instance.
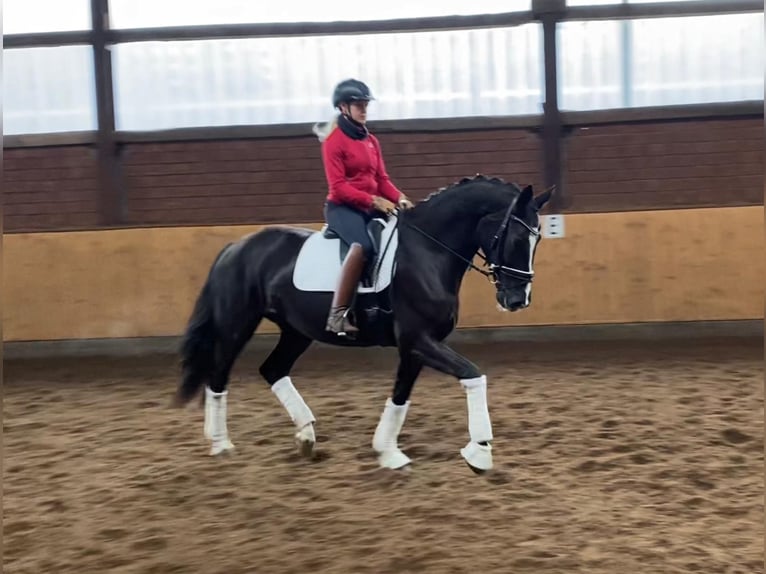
(510, 186)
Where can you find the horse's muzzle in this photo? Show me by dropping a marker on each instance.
(512, 299)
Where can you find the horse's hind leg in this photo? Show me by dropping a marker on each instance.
(216, 394)
(276, 370)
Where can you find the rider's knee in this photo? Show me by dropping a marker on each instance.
(366, 249)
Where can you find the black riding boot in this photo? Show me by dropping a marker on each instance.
(350, 273)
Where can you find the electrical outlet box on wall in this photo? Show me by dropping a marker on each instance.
(553, 226)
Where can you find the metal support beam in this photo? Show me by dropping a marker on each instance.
(752, 109)
(47, 39)
(549, 12)
(282, 29)
(661, 10)
(614, 11)
(108, 168)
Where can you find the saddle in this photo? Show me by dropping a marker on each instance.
(319, 261)
(375, 229)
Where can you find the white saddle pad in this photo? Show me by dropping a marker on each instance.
(317, 267)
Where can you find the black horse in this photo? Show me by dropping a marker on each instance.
(409, 300)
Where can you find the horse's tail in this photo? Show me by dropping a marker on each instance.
(198, 344)
(197, 348)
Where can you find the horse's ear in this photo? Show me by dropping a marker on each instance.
(544, 197)
(525, 196)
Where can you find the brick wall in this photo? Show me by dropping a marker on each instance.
(673, 164)
(50, 188)
(241, 181)
(265, 181)
(607, 168)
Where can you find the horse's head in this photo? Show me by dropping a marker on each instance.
(509, 240)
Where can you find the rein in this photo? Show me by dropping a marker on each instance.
(455, 253)
(494, 268)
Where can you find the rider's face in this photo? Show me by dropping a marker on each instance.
(357, 111)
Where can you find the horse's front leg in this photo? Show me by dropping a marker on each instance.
(478, 451)
(385, 440)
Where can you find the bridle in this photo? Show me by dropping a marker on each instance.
(499, 238)
(498, 242)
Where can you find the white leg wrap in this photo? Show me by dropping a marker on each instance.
(299, 412)
(385, 440)
(215, 421)
(479, 426)
(293, 402)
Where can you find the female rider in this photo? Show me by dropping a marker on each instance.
(359, 189)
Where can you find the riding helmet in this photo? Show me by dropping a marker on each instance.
(351, 90)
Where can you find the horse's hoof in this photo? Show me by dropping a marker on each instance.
(305, 448)
(478, 457)
(306, 439)
(223, 448)
(394, 460)
(475, 470)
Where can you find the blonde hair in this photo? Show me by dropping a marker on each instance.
(324, 129)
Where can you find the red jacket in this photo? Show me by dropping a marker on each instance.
(355, 171)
